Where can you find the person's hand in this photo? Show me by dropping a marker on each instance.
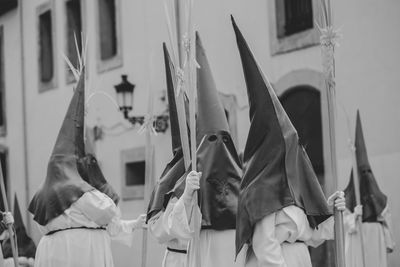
(358, 210)
(8, 218)
(192, 184)
(140, 222)
(338, 200)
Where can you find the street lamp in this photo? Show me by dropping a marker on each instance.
(124, 92)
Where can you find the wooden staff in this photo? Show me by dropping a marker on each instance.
(356, 183)
(186, 57)
(149, 171)
(180, 106)
(328, 42)
(9, 226)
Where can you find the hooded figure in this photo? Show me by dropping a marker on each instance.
(279, 182)
(376, 217)
(219, 164)
(217, 158)
(63, 184)
(175, 255)
(75, 206)
(174, 169)
(373, 201)
(26, 247)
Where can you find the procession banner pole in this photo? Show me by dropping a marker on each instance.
(328, 40)
(9, 226)
(180, 84)
(194, 249)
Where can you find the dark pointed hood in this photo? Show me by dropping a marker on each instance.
(176, 168)
(372, 198)
(26, 247)
(217, 158)
(63, 184)
(211, 115)
(173, 113)
(277, 170)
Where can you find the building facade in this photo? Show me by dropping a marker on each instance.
(125, 37)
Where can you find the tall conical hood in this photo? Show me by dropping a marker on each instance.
(173, 113)
(26, 247)
(63, 184)
(217, 158)
(372, 198)
(175, 168)
(70, 139)
(277, 170)
(211, 116)
(361, 149)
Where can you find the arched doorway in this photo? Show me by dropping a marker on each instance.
(303, 105)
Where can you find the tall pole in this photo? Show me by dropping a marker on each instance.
(356, 184)
(9, 226)
(180, 80)
(328, 41)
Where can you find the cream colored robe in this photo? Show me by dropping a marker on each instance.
(377, 238)
(281, 239)
(217, 248)
(83, 247)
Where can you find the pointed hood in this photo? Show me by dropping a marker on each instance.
(175, 168)
(217, 158)
(277, 170)
(211, 115)
(173, 113)
(372, 198)
(26, 247)
(63, 184)
(70, 139)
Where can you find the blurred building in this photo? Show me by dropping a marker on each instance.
(125, 37)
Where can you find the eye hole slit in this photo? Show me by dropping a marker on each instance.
(225, 139)
(212, 138)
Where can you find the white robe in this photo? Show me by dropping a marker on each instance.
(158, 227)
(217, 248)
(83, 247)
(274, 239)
(377, 241)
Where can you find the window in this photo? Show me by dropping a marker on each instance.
(293, 16)
(2, 86)
(292, 25)
(7, 5)
(108, 32)
(47, 67)
(133, 173)
(46, 47)
(74, 30)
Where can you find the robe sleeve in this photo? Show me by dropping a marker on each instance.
(265, 245)
(102, 210)
(325, 231)
(157, 228)
(386, 219)
(175, 220)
